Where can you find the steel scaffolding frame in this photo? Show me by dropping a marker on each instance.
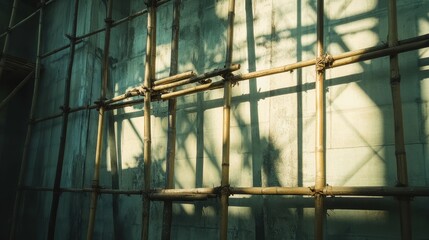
(154, 90)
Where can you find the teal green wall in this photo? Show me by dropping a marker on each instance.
(272, 126)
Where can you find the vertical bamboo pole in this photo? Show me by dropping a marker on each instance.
(148, 78)
(320, 127)
(101, 115)
(401, 159)
(226, 127)
(29, 129)
(58, 174)
(6, 40)
(171, 144)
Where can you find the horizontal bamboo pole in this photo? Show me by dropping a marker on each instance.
(369, 191)
(180, 197)
(120, 21)
(216, 72)
(350, 57)
(176, 77)
(59, 49)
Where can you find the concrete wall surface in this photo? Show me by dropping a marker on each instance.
(272, 121)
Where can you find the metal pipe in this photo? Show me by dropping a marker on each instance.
(24, 159)
(172, 103)
(224, 197)
(65, 115)
(148, 78)
(320, 182)
(401, 159)
(100, 129)
(16, 90)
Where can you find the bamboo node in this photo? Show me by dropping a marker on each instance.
(323, 62)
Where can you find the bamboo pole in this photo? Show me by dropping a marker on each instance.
(16, 90)
(148, 78)
(24, 159)
(320, 183)
(99, 145)
(199, 78)
(328, 191)
(223, 229)
(405, 45)
(172, 103)
(7, 34)
(65, 115)
(401, 159)
(11, 28)
(175, 77)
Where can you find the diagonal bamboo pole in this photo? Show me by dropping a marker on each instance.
(16, 90)
(59, 168)
(401, 159)
(149, 76)
(171, 142)
(7, 34)
(223, 229)
(101, 116)
(29, 129)
(320, 211)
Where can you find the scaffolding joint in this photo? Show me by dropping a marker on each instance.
(224, 190)
(100, 103)
(323, 62)
(72, 38)
(65, 109)
(230, 77)
(109, 21)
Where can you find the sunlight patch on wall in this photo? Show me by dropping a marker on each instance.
(339, 9)
(357, 34)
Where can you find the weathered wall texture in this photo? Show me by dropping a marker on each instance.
(272, 126)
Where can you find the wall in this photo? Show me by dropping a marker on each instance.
(272, 126)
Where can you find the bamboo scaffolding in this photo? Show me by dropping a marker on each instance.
(16, 90)
(223, 226)
(7, 34)
(320, 181)
(24, 159)
(405, 45)
(172, 103)
(149, 76)
(100, 129)
(12, 27)
(328, 191)
(199, 78)
(80, 39)
(401, 159)
(65, 116)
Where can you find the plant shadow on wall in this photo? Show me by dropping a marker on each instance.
(262, 154)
